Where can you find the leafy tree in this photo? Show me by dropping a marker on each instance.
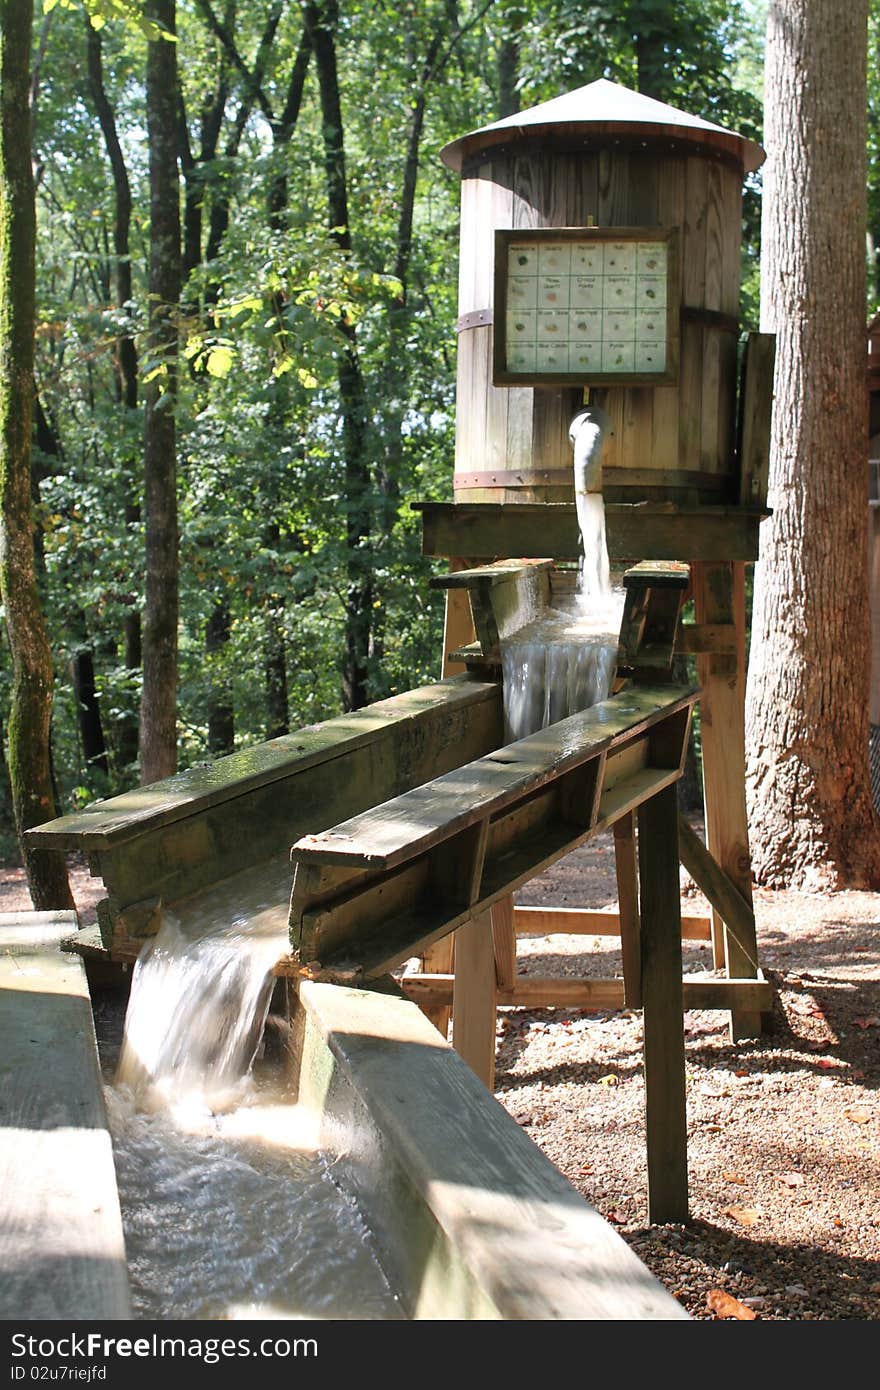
(31, 698)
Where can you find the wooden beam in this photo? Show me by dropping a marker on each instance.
(504, 938)
(503, 597)
(723, 894)
(579, 921)
(596, 994)
(527, 991)
(473, 998)
(719, 597)
(376, 889)
(458, 626)
(628, 898)
(696, 639)
(640, 531)
(666, 1121)
(756, 418)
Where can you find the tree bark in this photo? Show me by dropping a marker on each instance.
(811, 816)
(31, 701)
(126, 358)
(321, 21)
(158, 729)
(221, 710)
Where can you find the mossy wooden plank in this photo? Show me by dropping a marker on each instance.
(61, 1243)
(206, 785)
(382, 887)
(386, 834)
(640, 531)
(170, 860)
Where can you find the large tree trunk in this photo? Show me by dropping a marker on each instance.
(126, 359)
(31, 703)
(812, 820)
(158, 731)
(321, 21)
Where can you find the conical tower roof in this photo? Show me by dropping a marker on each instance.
(604, 109)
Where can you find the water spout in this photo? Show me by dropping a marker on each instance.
(587, 434)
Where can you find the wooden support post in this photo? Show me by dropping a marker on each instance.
(473, 997)
(458, 630)
(439, 959)
(719, 597)
(628, 903)
(665, 1117)
(458, 624)
(504, 937)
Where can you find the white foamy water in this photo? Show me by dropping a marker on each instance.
(595, 569)
(229, 1209)
(558, 665)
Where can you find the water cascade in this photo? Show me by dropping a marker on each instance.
(229, 1209)
(564, 660)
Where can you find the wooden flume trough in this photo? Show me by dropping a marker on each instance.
(467, 819)
(474, 1202)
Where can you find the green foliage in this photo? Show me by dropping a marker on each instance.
(266, 322)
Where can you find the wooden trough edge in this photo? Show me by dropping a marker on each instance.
(62, 1238)
(471, 1219)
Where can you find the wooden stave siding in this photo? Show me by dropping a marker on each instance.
(686, 431)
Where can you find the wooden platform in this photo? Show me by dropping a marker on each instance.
(636, 531)
(62, 1254)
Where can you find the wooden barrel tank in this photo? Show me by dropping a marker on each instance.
(606, 157)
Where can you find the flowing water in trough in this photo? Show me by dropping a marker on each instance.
(229, 1209)
(564, 660)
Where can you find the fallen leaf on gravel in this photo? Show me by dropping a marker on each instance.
(746, 1216)
(733, 1177)
(617, 1216)
(836, 1221)
(610, 1080)
(859, 1117)
(724, 1305)
(792, 1179)
(825, 1063)
(867, 1022)
(587, 1168)
(741, 1072)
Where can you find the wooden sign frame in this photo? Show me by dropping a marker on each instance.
(549, 237)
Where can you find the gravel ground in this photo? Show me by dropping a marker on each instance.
(783, 1131)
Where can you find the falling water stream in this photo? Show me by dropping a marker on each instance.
(564, 660)
(229, 1209)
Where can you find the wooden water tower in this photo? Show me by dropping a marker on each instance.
(600, 252)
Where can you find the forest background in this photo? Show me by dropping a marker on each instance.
(313, 399)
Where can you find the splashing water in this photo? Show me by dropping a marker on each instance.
(228, 1207)
(201, 992)
(556, 666)
(594, 581)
